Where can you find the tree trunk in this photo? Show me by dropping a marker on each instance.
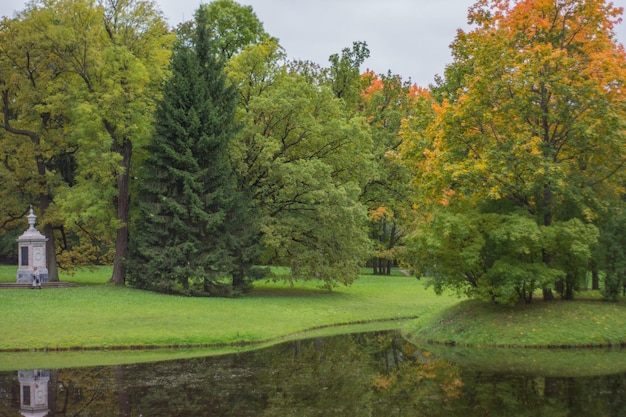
(551, 388)
(239, 280)
(53, 390)
(595, 276)
(123, 400)
(44, 197)
(123, 202)
(569, 284)
(547, 295)
(51, 255)
(547, 221)
(44, 203)
(48, 231)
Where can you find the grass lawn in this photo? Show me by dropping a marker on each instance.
(63, 323)
(95, 315)
(586, 322)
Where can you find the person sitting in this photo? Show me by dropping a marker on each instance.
(36, 279)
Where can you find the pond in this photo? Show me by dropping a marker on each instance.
(366, 374)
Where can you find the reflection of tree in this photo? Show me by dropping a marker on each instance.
(319, 378)
(521, 396)
(122, 394)
(214, 386)
(411, 380)
(505, 396)
(84, 392)
(71, 393)
(53, 390)
(9, 395)
(375, 375)
(582, 397)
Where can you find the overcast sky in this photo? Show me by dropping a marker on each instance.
(408, 37)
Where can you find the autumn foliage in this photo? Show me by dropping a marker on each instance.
(525, 151)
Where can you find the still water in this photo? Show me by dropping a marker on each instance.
(372, 374)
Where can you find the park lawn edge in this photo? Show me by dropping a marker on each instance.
(437, 319)
(235, 345)
(75, 358)
(98, 316)
(548, 325)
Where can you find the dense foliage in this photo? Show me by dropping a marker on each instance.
(503, 178)
(191, 216)
(523, 157)
(79, 81)
(305, 157)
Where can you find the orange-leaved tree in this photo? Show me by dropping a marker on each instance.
(526, 150)
(385, 101)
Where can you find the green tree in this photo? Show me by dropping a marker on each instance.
(189, 207)
(89, 75)
(385, 102)
(344, 72)
(306, 158)
(135, 57)
(609, 253)
(530, 130)
(232, 27)
(32, 125)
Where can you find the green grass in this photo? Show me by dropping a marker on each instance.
(104, 316)
(82, 276)
(587, 322)
(10, 361)
(94, 322)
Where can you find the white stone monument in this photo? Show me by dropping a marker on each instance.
(32, 253)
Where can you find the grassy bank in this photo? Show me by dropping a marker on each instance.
(586, 322)
(103, 318)
(95, 315)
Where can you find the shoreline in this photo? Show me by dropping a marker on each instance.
(545, 325)
(303, 334)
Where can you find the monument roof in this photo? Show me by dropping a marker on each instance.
(31, 233)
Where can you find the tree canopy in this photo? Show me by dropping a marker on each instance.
(503, 178)
(525, 149)
(80, 81)
(189, 205)
(305, 157)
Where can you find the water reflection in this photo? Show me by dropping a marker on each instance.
(34, 392)
(374, 374)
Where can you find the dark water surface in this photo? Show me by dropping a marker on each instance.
(373, 374)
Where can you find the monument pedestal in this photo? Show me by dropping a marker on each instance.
(32, 254)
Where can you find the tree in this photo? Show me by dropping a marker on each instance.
(610, 255)
(137, 49)
(306, 158)
(385, 102)
(189, 208)
(529, 129)
(232, 27)
(344, 72)
(89, 75)
(32, 124)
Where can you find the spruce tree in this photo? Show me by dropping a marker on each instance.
(193, 224)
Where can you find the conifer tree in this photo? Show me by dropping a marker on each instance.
(193, 222)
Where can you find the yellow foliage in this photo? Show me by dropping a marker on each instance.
(379, 213)
(382, 383)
